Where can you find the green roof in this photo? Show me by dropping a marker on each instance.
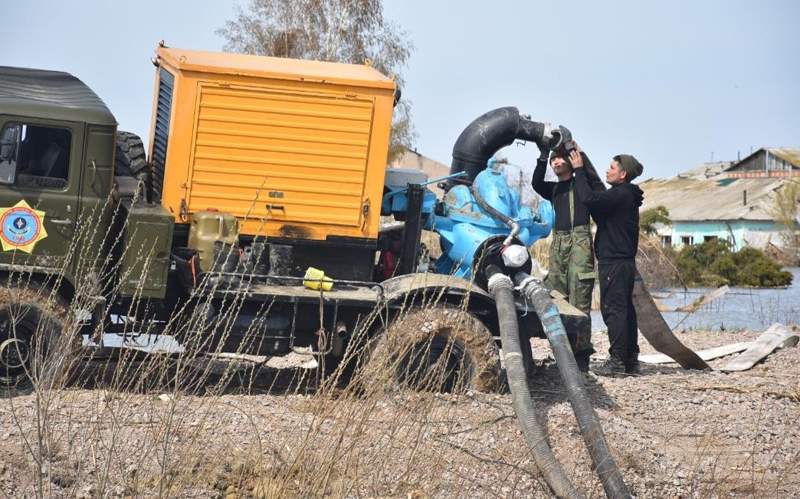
(51, 95)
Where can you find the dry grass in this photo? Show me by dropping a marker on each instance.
(540, 251)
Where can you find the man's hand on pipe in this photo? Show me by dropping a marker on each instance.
(575, 158)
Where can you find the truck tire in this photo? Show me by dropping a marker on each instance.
(130, 158)
(34, 345)
(435, 348)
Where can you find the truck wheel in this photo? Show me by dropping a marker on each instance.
(130, 158)
(436, 348)
(33, 344)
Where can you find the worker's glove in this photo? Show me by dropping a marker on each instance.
(561, 136)
(544, 153)
(544, 143)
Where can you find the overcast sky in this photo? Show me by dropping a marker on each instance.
(671, 82)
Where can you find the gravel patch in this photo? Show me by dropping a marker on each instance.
(674, 433)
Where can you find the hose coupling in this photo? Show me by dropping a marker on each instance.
(499, 281)
(528, 284)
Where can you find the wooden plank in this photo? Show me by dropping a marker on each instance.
(656, 330)
(707, 354)
(343, 292)
(776, 336)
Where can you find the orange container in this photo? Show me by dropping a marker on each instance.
(291, 148)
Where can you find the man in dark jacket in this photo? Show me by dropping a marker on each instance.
(571, 265)
(616, 212)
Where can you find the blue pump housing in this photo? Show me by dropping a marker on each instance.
(463, 226)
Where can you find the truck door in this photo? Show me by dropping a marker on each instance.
(96, 180)
(39, 187)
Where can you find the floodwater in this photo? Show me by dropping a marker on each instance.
(740, 308)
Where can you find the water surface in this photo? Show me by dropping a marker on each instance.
(740, 308)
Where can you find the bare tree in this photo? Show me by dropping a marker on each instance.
(786, 210)
(352, 31)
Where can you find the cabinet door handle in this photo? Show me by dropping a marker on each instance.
(271, 207)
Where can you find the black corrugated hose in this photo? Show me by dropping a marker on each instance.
(502, 290)
(539, 297)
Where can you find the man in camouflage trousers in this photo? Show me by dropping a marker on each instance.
(571, 267)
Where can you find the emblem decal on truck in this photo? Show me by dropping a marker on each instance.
(21, 227)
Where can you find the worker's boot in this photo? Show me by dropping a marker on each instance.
(582, 359)
(611, 367)
(633, 368)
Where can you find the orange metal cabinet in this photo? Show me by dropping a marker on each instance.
(292, 148)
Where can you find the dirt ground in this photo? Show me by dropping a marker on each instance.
(674, 433)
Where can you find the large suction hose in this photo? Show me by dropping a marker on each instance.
(502, 290)
(494, 130)
(539, 297)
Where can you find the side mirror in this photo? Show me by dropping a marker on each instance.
(9, 152)
(398, 94)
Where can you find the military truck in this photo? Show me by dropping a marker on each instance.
(258, 170)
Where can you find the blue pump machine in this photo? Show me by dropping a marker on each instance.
(463, 226)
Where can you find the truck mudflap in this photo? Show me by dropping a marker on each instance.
(405, 287)
(657, 332)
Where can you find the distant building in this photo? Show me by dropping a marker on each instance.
(732, 201)
(706, 170)
(434, 169)
(768, 163)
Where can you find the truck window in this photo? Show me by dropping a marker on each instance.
(43, 157)
(9, 152)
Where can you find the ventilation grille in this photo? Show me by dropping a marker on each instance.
(166, 82)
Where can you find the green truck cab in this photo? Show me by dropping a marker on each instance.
(72, 236)
(56, 165)
(58, 196)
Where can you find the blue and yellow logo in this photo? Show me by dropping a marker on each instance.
(21, 227)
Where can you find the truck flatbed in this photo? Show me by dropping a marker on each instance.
(342, 293)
